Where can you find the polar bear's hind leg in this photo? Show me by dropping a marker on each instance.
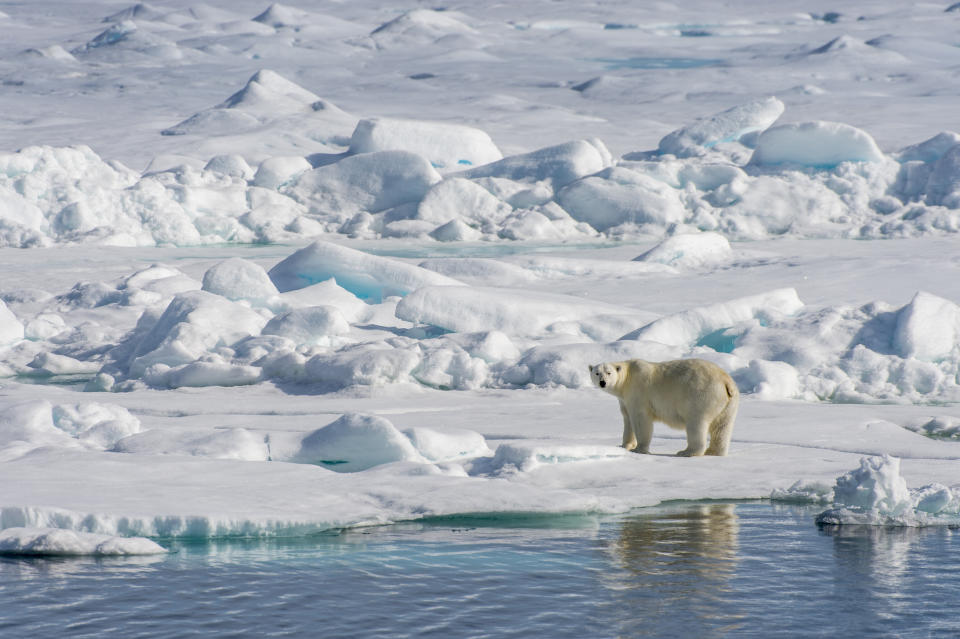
(696, 438)
(721, 428)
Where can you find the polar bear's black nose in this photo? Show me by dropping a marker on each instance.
(603, 383)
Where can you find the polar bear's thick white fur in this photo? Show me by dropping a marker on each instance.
(687, 394)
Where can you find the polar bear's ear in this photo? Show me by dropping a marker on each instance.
(590, 366)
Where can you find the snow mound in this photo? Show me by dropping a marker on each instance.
(93, 425)
(617, 196)
(276, 171)
(927, 328)
(368, 182)
(559, 165)
(690, 251)
(356, 442)
(515, 312)
(124, 41)
(449, 445)
(446, 146)
(192, 325)
(278, 15)
(689, 327)
(265, 92)
(272, 115)
(311, 325)
(239, 279)
(326, 293)
(931, 150)
(876, 494)
(455, 231)
(139, 11)
(46, 542)
(728, 126)
(29, 424)
(366, 276)
(418, 27)
(817, 144)
(849, 49)
(460, 200)
(100, 425)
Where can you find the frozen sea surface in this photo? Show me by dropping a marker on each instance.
(706, 570)
(271, 271)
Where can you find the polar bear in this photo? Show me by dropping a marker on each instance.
(687, 394)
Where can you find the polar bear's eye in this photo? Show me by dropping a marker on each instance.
(618, 368)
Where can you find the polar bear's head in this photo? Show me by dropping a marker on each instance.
(607, 376)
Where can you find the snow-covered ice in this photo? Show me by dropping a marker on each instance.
(47, 542)
(270, 270)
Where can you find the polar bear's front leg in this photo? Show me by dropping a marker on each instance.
(629, 441)
(696, 439)
(643, 431)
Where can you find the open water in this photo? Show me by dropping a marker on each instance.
(684, 570)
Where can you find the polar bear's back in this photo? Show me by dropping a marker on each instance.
(678, 391)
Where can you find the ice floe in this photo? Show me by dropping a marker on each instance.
(56, 542)
(876, 494)
(390, 241)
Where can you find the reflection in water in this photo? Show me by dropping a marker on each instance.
(877, 568)
(41, 568)
(675, 564)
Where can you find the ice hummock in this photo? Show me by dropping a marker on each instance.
(876, 494)
(366, 276)
(56, 542)
(728, 126)
(815, 144)
(357, 442)
(694, 250)
(380, 179)
(446, 146)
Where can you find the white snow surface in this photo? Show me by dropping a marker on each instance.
(339, 265)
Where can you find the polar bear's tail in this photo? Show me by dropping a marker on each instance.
(721, 428)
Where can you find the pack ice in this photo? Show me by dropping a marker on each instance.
(305, 296)
(737, 172)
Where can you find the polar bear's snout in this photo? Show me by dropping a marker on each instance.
(602, 382)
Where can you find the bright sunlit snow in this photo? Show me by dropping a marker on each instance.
(274, 269)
